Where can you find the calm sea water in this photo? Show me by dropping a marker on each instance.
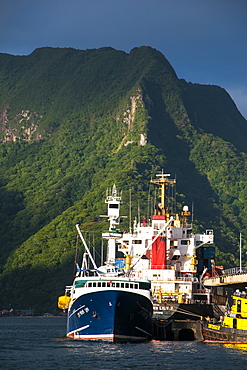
(40, 343)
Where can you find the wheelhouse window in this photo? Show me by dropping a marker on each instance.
(185, 242)
(80, 283)
(113, 205)
(115, 284)
(238, 305)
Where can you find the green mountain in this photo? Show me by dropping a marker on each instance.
(73, 123)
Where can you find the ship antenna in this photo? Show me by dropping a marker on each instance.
(192, 214)
(149, 202)
(155, 197)
(102, 252)
(240, 252)
(94, 250)
(175, 195)
(139, 213)
(76, 253)
(130, 211)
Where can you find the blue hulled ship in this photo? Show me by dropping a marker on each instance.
(106, 303)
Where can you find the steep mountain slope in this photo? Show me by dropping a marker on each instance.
(74, 122)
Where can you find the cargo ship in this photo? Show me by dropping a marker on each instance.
(165, 251)
(233, 327)
(104, 303)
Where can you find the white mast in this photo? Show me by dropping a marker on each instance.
(113, 202)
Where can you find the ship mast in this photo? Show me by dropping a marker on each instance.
(113, 200)
(162, 181)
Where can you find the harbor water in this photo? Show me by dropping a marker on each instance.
(39, 343)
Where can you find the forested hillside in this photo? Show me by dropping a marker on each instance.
(73, 123)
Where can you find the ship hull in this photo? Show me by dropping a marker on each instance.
(218, 334)
(110, 315)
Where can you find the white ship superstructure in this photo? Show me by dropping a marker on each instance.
(165, 252)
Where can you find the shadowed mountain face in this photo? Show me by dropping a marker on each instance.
(73, 123)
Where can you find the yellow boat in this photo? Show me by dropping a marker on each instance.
(233, 328)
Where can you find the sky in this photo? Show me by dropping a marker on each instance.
(204, 40)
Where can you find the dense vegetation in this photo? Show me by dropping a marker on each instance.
(73, 123)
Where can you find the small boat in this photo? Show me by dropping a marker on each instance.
(233, 327)
(105, 303)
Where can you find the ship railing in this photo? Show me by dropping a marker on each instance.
(189, 278)
(234, 271)
(177, 279)
(162, 267)
(230, 272)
